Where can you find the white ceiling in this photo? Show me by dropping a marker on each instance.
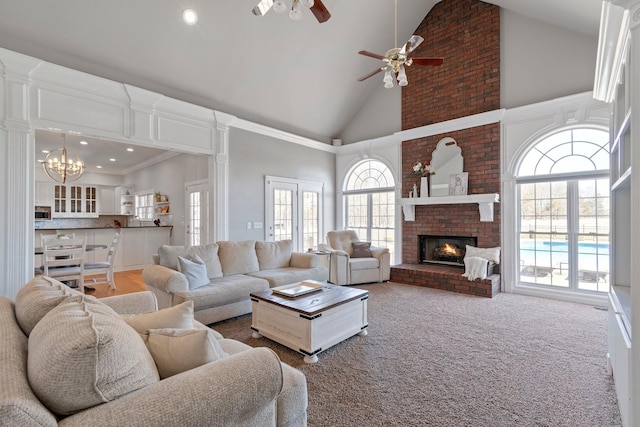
(299, 76)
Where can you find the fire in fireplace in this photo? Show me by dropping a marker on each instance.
(448, 250)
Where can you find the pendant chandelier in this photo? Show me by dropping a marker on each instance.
(62, 165)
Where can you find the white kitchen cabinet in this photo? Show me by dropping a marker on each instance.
(74, 201)
(107, 201)
(127, 206)
(44, 193)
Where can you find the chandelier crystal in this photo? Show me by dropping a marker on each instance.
(62, 165)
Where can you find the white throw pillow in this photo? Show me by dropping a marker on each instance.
(168, 257)
(179, 317)
(82, 354)
(194, 270)
(491, 254)
(179, 350)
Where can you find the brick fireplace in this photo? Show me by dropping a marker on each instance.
(467, 83)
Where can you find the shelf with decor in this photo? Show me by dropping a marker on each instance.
(485, 204)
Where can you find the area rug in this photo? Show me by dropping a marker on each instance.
(437, 358)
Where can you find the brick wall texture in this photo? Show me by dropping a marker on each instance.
(466, 33)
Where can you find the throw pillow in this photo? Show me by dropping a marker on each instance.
(361, 250)
(168, 257)
(238, 257)
(36, 298)
(83, 354)
(274, 254)
(194, 270)
(179, 350)
(491, 254)
(179, 316)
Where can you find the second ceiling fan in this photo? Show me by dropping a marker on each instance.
(397, 58)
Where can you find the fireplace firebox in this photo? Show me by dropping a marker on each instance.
(447, 250)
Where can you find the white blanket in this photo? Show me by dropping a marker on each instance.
(475, 268)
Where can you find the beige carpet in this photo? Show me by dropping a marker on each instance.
(437, 358)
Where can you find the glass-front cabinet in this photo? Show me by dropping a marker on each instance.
(73, 200)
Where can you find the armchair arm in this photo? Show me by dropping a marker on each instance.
(215, 394)
(304, 260)
(384, 260)
(164, 279)
(134, 303)
(340, 272)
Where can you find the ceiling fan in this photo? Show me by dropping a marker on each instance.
(397, 58)
(279, 6)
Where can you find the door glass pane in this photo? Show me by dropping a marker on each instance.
(194, 218)
(357, 214)
(310, 221)
(593, 235)
(383, 220)
(282, 214)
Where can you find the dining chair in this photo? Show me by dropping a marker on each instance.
(63, 260)
(105, 267)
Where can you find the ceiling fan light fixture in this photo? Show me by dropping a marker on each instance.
(388, 80)
(402, 77)
(308, 3)
(279, 6)
(296, 11)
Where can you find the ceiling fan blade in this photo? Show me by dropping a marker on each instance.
(372, 55)
(411, 44)
(319, 11)
(427, 61)
(371, 74)
(262, 7)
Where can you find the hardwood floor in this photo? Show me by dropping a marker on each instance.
(126, 283)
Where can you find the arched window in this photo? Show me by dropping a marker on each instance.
(369, 200)
(563, 197)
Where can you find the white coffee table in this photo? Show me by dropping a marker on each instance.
(311, 323)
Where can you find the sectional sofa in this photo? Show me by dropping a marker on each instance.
(233, 271)
(70, 359)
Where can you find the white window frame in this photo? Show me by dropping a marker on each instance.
(137, 207)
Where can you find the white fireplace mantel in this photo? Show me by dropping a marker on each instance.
(485, 204)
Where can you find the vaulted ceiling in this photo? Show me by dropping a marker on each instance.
(298, 76)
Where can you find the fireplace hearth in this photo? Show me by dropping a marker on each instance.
(446, 250)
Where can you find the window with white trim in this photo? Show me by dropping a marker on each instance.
(145, 205)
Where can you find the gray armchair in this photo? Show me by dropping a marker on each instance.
(345, 269)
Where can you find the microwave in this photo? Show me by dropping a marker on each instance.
(42, 213)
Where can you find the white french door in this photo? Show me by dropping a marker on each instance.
(197, 208)
(293, 210)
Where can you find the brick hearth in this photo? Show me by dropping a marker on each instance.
(445, 278)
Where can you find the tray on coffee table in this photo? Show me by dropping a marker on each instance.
(296, 289)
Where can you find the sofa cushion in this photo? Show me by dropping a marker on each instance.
(83, 354)
(274, 254)
(363, 263)
(287, 275)
(179, 350)
(37, 297)
(194, 270)
(223, 291)
(178, 317)
(238, 257)
(168, 257)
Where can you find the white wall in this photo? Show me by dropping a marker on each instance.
(251, 157)
(380, 115)
(540, 61)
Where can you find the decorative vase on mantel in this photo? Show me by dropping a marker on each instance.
(424, 186)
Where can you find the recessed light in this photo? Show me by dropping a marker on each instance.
(112, 159)
(189, 16)
(129, 149)
(99, 167)
(83, 142)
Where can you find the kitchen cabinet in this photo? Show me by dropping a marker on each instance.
(44, 193)
(127, 205)
(74, 201)
(107, 201)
